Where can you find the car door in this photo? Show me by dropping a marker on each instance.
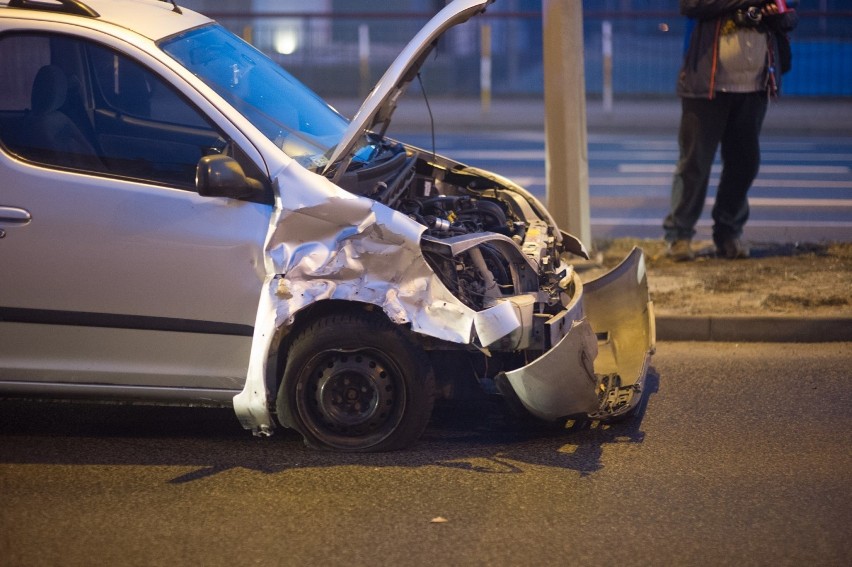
(116, 277)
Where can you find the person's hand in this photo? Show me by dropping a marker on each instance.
(780, 21)
(769, 9)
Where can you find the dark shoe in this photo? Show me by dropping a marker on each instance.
(732, 249)
(680, 250)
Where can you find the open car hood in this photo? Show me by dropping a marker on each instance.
(376, 111)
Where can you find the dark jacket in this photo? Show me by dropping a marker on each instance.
(697, 77)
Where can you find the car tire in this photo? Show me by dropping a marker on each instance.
(355, 382)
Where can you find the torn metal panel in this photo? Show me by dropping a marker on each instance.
(598, 366)
(561, 382)
(330, 244)
(495, 323)
(619, 310)
(512, 324)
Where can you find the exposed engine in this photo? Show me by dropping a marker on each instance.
(451, 200)
(454, 215)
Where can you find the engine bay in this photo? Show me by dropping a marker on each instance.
(452, 201)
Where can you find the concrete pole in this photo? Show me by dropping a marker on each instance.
(567, 159)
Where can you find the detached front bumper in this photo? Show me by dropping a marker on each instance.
(599, 362)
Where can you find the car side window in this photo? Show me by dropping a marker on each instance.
(36, 96)
(144, 128)
(76, 104)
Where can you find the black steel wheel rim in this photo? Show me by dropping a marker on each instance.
(344, 395)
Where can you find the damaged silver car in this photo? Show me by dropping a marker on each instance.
(182, 221)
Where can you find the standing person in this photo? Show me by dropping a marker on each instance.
(732, 66)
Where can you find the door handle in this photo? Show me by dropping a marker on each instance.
(14, 215)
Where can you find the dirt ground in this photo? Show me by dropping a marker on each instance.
(780, 279)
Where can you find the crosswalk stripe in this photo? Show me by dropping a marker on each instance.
(616, 221)
(635, 202)
(764, 169)
(759, 182)
(529, 181)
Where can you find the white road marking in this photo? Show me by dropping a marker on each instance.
(764, 169)
(664, 156)
(759, 182)
(530, 181)
(705, 222)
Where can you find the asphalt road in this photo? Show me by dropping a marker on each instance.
(801, 194)
(741, 456)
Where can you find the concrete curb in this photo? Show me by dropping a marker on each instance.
(751, 329)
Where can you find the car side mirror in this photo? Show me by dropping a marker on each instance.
(221, 176)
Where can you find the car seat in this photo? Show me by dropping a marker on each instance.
(51, 133)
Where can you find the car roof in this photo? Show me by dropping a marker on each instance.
(153, 19)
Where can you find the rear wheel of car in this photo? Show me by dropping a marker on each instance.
(356, 382)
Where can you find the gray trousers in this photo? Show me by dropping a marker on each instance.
(732, 120)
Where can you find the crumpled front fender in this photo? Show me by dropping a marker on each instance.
(326, 244)
(599, 364)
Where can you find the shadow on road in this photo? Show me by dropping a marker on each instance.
(470, 437)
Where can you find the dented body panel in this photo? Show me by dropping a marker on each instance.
(601, 375)
(619, 309)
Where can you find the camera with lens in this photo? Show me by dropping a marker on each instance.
(750, 17)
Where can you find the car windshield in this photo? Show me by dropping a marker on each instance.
(285, 110)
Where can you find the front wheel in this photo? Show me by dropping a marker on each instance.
(356, 382)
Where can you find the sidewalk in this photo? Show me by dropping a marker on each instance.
(786, 292)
